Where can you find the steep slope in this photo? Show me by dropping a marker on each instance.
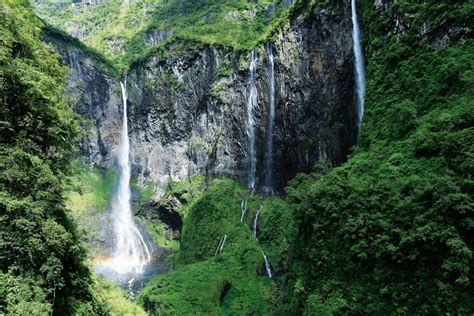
(390, 232)
(41, 259)
(227, 280)
(127, 30)
(188, 101)
(42, 269)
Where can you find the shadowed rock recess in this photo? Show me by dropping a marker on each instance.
(187, 113)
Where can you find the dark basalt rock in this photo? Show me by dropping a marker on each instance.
(187, 114)
(166, 212)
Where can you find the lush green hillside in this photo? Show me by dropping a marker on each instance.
(41, 258)
(122, 32)
(42, 266)
(232, 282)
(391, 231)
(388, 232)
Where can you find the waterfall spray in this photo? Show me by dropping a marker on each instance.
(251, 103)
(271, 117)
(131, 252)
(358, 64)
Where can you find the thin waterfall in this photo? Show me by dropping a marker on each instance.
(358, 64)
(271, 117)
(220, 246)
(243, 209)
(267, 266)
(131, 252)
(255, 223)
(251, 104)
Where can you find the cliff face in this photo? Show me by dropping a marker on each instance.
(188, 113)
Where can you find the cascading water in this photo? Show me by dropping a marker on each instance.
(271, 117)
(267, 266)
(251, 103)
(131, 251)
(255, 223)
(220, 246)
(243, 209)
(358, 65)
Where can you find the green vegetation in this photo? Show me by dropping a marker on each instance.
(123, 33)
(115, 300)
(163, 237)
(230, 283)
(277, 232)
(87, 197)
(41, 260)
(225, 69)
(390, 232)
(187, 192)
(177, 199)
(212, 216)
(52, 33)
(90, 190)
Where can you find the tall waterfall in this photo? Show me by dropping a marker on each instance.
(251, 103)
(358, 65)
(271, 117)
(131, 252)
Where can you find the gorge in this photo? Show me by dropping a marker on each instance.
(262, 157)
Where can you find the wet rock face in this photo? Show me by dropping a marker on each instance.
(96, 97)
(188, 114)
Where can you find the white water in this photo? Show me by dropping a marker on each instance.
(271, 117)
(243, 209)
(131, 252)
(255, 223)
(358, 65)
(220, 246)
(267, 266)
(251, 103)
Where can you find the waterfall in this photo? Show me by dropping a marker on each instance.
(220, 246)
(243, 209)
(255, 223)
(251, 103)
(267, 266)
(358, 65)
(271, 117)
(131, 252)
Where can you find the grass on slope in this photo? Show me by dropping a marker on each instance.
(121, 32)
(115, 301)
(90, 190)
(390, 232)
(231, 283)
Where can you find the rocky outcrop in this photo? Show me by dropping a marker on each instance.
(450, 31)
(97, 98)
(187, 113)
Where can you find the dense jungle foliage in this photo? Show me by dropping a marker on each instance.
(391, 231)
(388, 232)
(40, 257)
(130, 32)
(234, 281)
